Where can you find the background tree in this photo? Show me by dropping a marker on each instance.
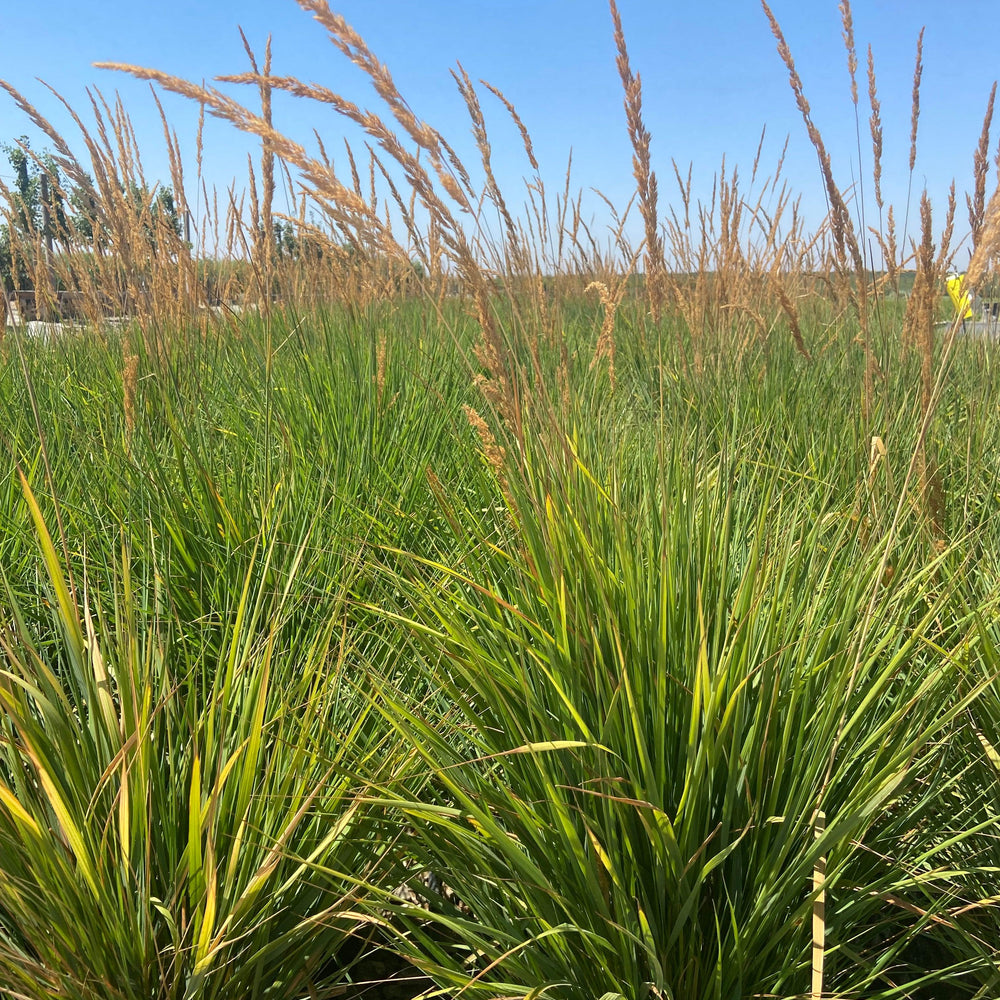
(64, 214)
(30, 214)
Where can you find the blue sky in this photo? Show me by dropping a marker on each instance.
(712, 80)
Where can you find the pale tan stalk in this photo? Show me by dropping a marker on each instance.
(756, 158)
(977, 203)
(918, 72)
(263, 224)
(875, 126)
(516, 118)
(494, 453)
(606, 339)
(468, 92)
(843, 231)
(565, 201)
(199, 142)
(945, 250)
(129, 379)
(380, 363)
(372, 191)
(989, 244)
(215, 217)
(644, 176)
(847, 20)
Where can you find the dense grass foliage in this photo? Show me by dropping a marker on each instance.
(282, 633)
(530, 607)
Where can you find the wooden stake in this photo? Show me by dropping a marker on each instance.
(819, 914)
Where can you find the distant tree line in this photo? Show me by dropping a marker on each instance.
(44, 207)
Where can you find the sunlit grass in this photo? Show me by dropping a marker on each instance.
(565, 617)
(296, 630)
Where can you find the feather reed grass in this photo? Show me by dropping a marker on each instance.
(379, 578)
(645, 177)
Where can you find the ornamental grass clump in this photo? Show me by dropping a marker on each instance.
(633, 645)
(178, 818)
(648, 703)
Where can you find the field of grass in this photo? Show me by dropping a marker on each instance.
(283, 633)
(511, 617)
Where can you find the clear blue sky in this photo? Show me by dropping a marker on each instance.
(712, 79)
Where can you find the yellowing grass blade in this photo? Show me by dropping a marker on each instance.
(267, 867)
(124, 816)
(20, 814)
(990, 750)
(550, 745)
(101, 681)
(194, 823)
(203, 951)
(69, 829)
(67, 609)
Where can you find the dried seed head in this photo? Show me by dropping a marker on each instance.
(918, 71)
(793, 321)
(606, 339)
(847, 20)
(989, 244)
(645, 178)
(875, 126)
(380, 353)
(977, 204)
(494, 453)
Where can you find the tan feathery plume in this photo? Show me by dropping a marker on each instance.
(468, 92)
(892, 255)
(928, 298)
(495, 455)
(918, 72)
(945, 251)
(843, 231)
(977, 203)
(793, 320)
(267, 164)
(516, 118)
(355, 176)
(606, 339)
(644, 176)
(327, 188)
(989, 244)
(65, 159)
(931, 485)
(847, 19)
(875, 125)
(319, 179)
(353, 46)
